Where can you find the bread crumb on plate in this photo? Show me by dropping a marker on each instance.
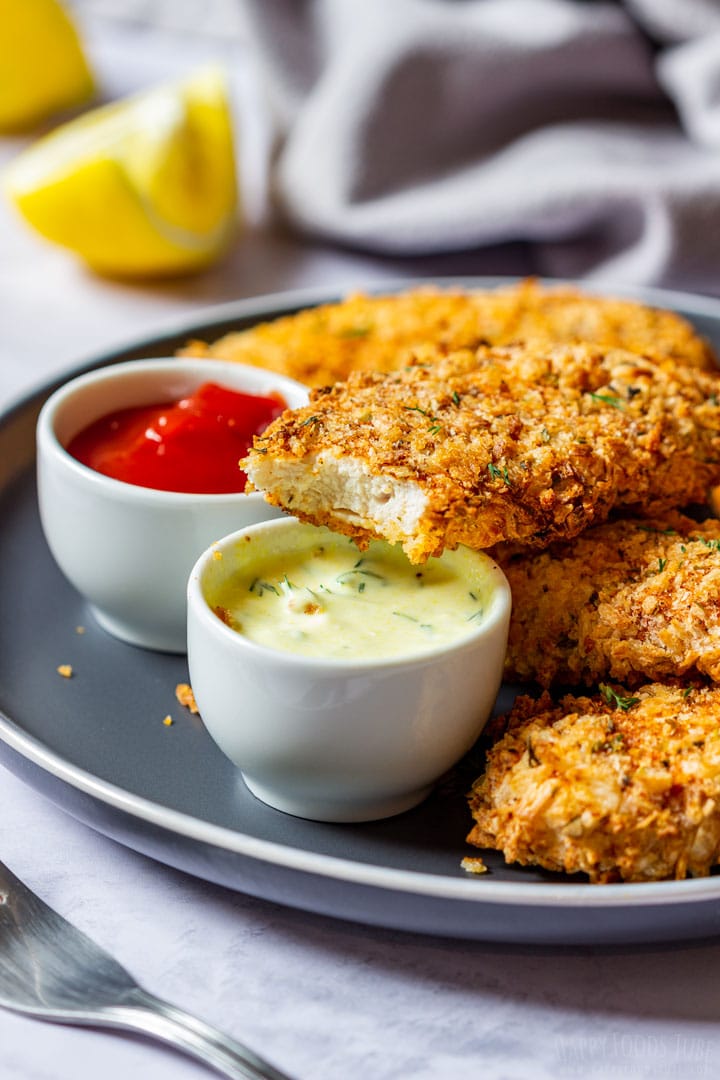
(185, 696)
(474, 864)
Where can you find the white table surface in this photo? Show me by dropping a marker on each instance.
(324, 999)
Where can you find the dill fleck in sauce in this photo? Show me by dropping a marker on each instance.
(331, 600)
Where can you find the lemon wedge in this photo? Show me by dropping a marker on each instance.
(42, 65)
(142, 187)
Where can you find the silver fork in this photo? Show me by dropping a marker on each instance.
(51, 970)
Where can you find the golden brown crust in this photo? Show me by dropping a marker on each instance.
(633, 600)
(627, 791)
(564, 314)
(529, 444)
(323, 345)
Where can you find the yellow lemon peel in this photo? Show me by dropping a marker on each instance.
(143, 187)
(43, 69)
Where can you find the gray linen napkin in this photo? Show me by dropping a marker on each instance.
(418, 127)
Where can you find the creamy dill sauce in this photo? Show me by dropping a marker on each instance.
(331, 600)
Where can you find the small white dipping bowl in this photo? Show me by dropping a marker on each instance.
(129, 549)
(328, 739)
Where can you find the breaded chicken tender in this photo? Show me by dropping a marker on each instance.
(523, 444)
(618, 787)
(631, 600)
(322, 345)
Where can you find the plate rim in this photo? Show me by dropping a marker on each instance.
(473, 889)
(233, 841)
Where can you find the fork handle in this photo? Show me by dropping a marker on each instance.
(153, 1016)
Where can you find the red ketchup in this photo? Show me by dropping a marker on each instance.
(191, 445)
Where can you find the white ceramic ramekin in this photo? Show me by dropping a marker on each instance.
(336, 740)
(129, 549)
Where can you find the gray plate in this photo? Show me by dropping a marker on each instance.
(96, 746)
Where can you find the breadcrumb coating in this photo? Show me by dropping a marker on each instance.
(615, 786)
(632, 600)
(526, 444)
(322, 345)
